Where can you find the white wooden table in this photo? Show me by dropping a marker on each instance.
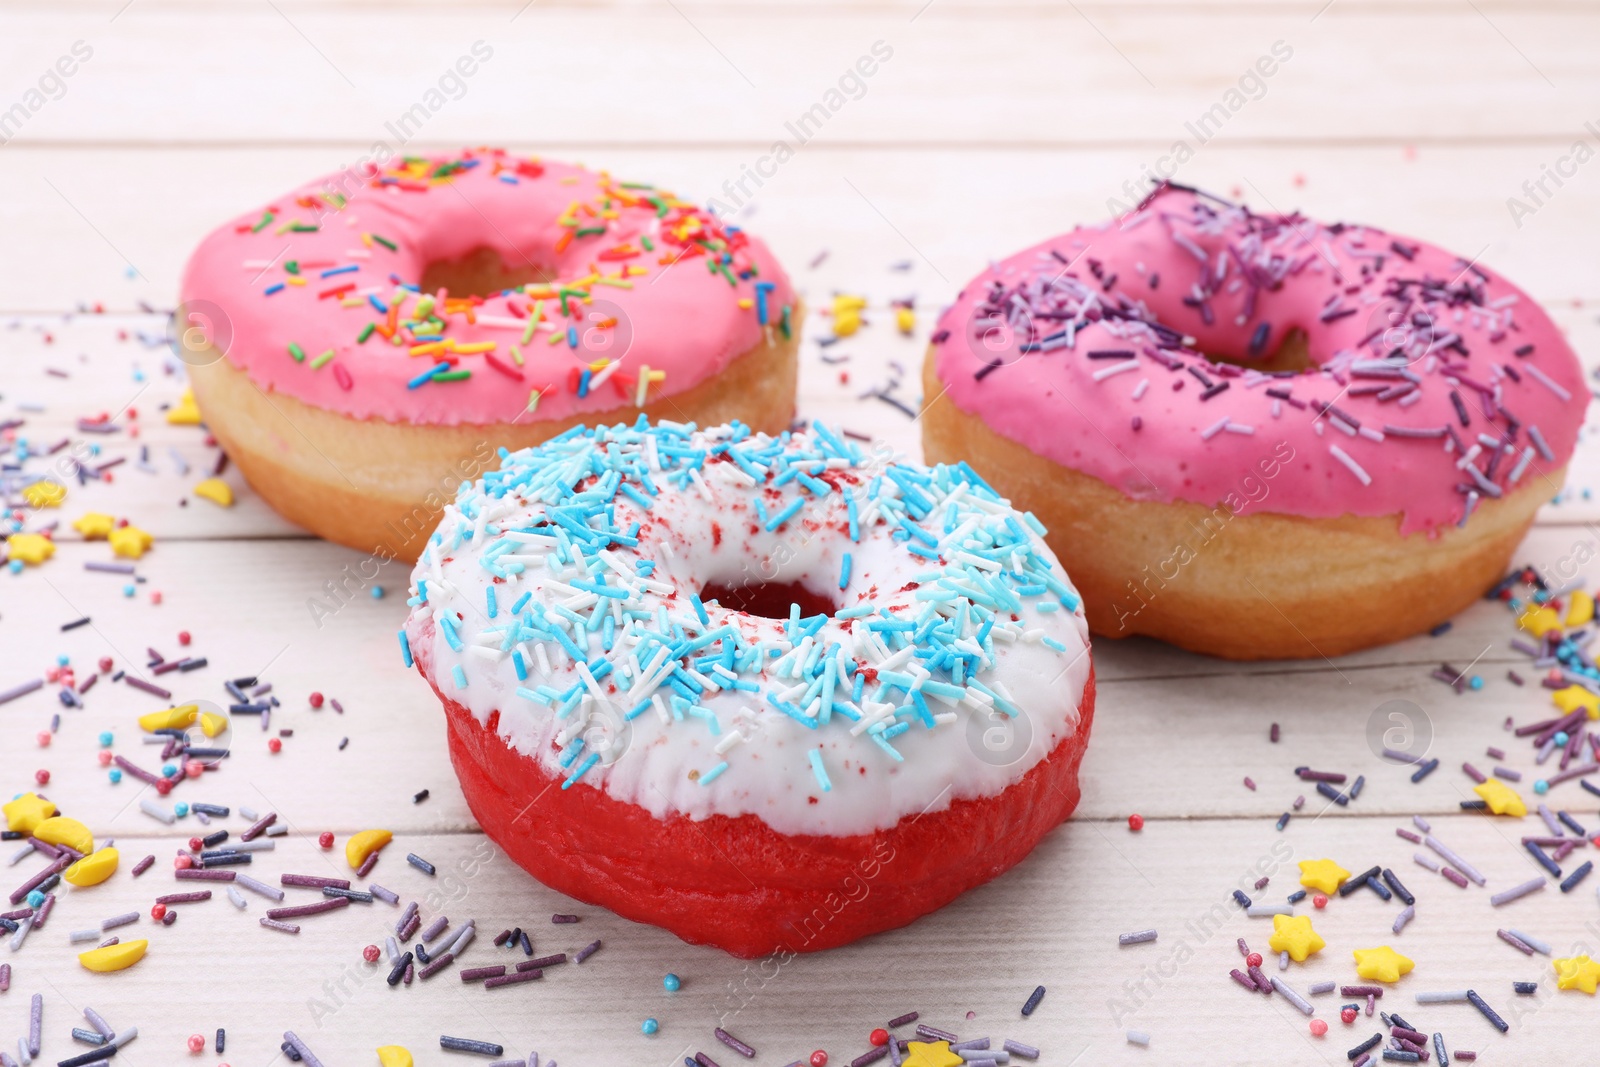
(988, 127)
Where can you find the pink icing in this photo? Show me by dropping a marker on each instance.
(1076, 348)
(675, 314)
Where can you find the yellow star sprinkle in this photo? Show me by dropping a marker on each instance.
(30, 548)
(1574, 697)
(394, 1056)
(1325, 876)
(1577, 972)
(94, 525)
(1381, 964)
(1501, 798)
(1580, 609)
(1293, 934)
(930, 1054)
(215, 490)
(130, 541)
(26, 812)
(1539, 621)
(45, 494)
(187, 413)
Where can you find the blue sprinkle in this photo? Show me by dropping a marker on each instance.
(714, 773)
(844, 572)
(405, 649)
(459, 675)
(786, 514)
(819, 770)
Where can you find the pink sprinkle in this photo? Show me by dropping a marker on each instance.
(1250, 784)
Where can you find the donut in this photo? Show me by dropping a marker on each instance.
(734, 685)
(362, 345)
(1254, 435)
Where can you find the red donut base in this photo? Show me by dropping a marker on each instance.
(736, 883)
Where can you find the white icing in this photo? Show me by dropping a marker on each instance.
(709, 532)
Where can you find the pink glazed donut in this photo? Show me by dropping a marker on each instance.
(1258, 436)
(366, 343)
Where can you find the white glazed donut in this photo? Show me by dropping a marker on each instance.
(884, 657)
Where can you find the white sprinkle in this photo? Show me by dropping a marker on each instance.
(1521, 467)
(1263, 911)
(1283, 990)
(1139, 390)
(1453, 997)
(1355, 468)
(1139, 1037)
(1239, 427)
(1116, 368)
(1215, 428)
(156, 811)
(1506, 896)
(1538, 945)
(1539, 442)
(1546, 381)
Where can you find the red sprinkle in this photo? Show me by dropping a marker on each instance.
(274, 745)
(1136, 822)
(325, 839)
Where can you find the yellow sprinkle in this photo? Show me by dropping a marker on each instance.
(215, 490)
(93, 868)
(1580, 609)
(475, 347)
(1574, 697)
(1539, 620)
(364, 844)
(185, 412)
(1577, 972)
(533, 400)
(1381, 964)
(295, 280)
(641, 390)
(1293, 934)
(1324, 876)
(130, 541)
(94, 525)
(45, 494)
(394, 1056)
(27, 811)
(179, 718)
(114, 957)
(905, 320)
(745, 303)
(1501, 798)
(60, 830)
(212, 724)
(30, 548)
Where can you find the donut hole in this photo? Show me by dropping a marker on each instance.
(770, 600)
(1292, 356)
(481, 273)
